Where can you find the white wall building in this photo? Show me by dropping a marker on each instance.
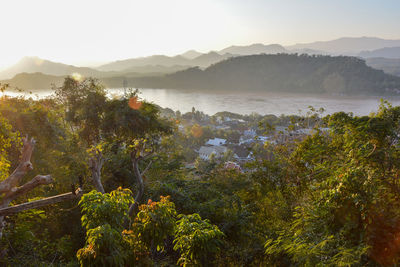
(216, 142)
(206, 151)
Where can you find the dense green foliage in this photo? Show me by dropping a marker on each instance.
(197, 239)
(103, 217)
(6, 139)
(155, 222)
(328, 198)
(108, 244)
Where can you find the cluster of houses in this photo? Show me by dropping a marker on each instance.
(239, 152)
(217, 147)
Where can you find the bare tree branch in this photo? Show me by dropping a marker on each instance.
(18, 191)
(40, 203)
(23, 167)
(147, 168)
(9, 188)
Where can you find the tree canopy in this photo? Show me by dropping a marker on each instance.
(330, 197)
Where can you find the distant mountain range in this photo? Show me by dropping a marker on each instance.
(379, 53)
(387, 52)
(191, 54)
(254, 49)
(203, 60)
(194, 58)
(121, 65)
(146, 65)
(35, 64)
(347, 45)
(38, 65)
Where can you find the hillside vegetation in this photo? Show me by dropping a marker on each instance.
(282, 73)
(388, 65)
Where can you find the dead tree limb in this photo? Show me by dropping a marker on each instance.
(40, 203)
(23, 167)
(9, 187)
(18, 191)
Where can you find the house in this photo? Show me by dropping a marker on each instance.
(262, 139)
(206, 151)
(221, 119)
(304, 131)
(247, 137)
(281, 130)
(251, 133)
(223, 127)
(243, 141)
(216, 142)
(181, 128)
(283, 135)
(241, 153)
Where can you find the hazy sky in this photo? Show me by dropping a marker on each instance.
(81, 31)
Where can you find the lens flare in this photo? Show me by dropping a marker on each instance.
(134, 103)
(196, 131)
(38, 61)
(77, 76)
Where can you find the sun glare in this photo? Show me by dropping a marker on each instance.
(77, 76)
(39, 61)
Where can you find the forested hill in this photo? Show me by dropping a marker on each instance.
(282, 73)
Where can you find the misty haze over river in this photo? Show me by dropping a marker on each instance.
(248, 102)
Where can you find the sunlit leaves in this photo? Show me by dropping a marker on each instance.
(7, 137)
(104, 247)
(110, 208)
(103, 218)
(155, 222)
(196, 239)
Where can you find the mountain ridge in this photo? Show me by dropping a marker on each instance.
(36, 64)
(257, 48)
(158, 65)
(386, 52)
(348, 45)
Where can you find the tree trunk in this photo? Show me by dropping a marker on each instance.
(136, 158)
(139, 180)
(96, 164)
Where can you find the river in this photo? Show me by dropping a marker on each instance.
(246, 103)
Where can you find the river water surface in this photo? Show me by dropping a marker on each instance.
(246, 103)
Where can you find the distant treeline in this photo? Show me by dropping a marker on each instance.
(281, 73)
